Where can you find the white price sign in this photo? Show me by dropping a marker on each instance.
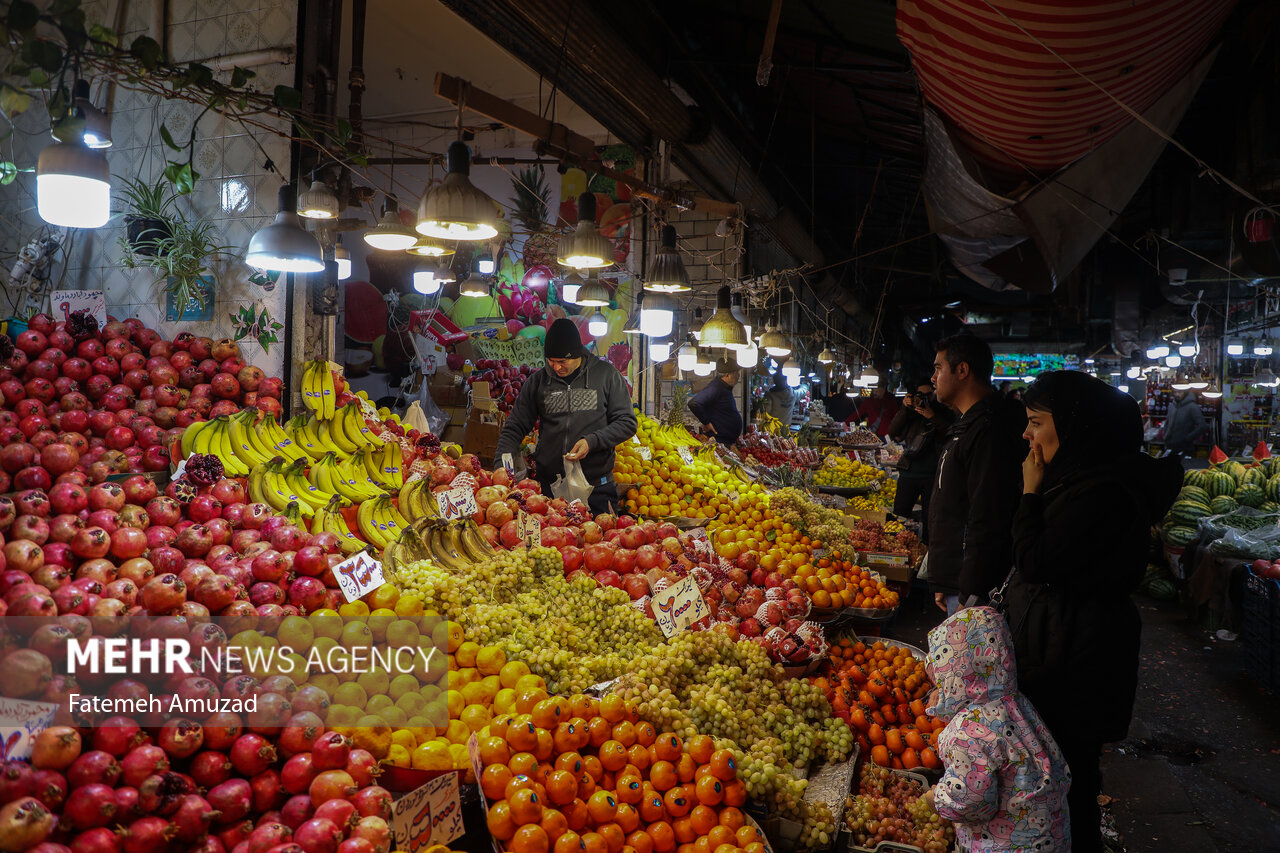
(20, 721)
(678, 606)
(64, 303)
(685, 454)
(509, 464)
(529, 528)
(457, 503)
(645, 453)
(358, 576)
(428, 815)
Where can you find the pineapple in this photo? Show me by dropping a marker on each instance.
(531, 209)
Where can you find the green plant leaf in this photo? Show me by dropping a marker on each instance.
(344, 131)
(22, 15)
(13, 101)
(240, 76)
(104, 39)
(38, 77)
(147, 51)
(8, 172)
(44, 54)
(182, 176)
(199, 75)
(167, 138)
(72, 25)
(287, 98)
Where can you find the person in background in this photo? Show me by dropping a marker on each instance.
(1080, 536)
(877, 410)
(838, 404)
(1004, 780)
(715, 406)
(976, 490)
(1006, 388)
(1016, 395)
(919, 428)
(1184, 424)
(583, 410)
(779, 401)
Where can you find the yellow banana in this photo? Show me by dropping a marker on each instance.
(330, 432)
(294, 429)
(242, 445)
(189, 436)
(368, 526)
(310, 388)
(328, 391)
(315, 431)
(298, 484)
(230, 461)
(276, 436)
(333, 522)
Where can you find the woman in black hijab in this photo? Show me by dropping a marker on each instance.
(1080, 539)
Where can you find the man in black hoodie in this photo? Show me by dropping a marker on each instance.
(979, 477)
(583, 410)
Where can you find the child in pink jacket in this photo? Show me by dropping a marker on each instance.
(1005, 781)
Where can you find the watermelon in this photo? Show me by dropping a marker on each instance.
(1253, 476)
(1194, 493)
(1235, 470)
(1249, 494)
(1179, 535)
(1220, 483)
(1223, 504)
(1196, 477)
(1187, 512)
(1272, 488)
(1162, 589)
(1270, 506)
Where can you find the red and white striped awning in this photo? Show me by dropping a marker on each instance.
(1014, 75)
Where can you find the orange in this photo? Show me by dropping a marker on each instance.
(518, 783)
(576, 814)
(494, 779)
(613, 836)
(629, 790)
(584, 706)
(746, 835)
(599, 731)
(586, 786)
(569, 842)
(651, 808)
(662, 775)
(530, 839)
(669, 747)
(554, 824)
(570, 761)
(735, 792)
(545, 746)
(685, 833)
(624, 733)
(723, 766)
(523, 764)
(522, 736)
(627, 818)
(677, 801)
(499, 821)
(593, 842)
(613, 755)
(602, 807)
(546, 714)
(640, 842)
(700, 748)
(686, 768)
(709, 791)
(562, 787)
(592, 766)
(720, 835)
(663, 835)
(493, 750)
(703, 819)
(612, 708)
(645, 733)
(732, 818)
(526, 806)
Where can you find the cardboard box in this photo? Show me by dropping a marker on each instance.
(455, 432)
(878, 516)
(446, 392)
(482, 432)
(894, 567)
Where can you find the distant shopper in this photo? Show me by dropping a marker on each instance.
(1184, 423)
(877, 410)
(1004, 781)
(976, 491)
(838, 403)
(1080, 540)
(920, 428)
(716, 407)
(778, 400)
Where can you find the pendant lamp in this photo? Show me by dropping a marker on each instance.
(870, 376)
(318, 202)
(722, 330)
(597, 325)
(748, 356)
(444, 273)
(429, 248)
(593, 294)
(826, 356)
(73, 186)
(687, 357)
(343, 257)
(284, 244)
(456, 209)
(703, 367)
(668, 274)
(473, 286)
(97, 126)
(1172, 361)
(569, 287)
(1211, 392)
(632, 326)
(1158, 350)
(485, 264)
(424, 281)
(657, 314)
(791, 368)
(1235, 347)
(390, 235)
(585, 248)
(739, 312)
(774, 342)
(1263, 346)
(660, 351)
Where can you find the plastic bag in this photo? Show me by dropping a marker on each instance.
(1260, 544)
(437, 420)
(415, 418)
(573, 486)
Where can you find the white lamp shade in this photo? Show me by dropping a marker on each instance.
(485, 265)
(1235, 348)
(598, 325)
(660, 351)
(389, 235)
(1133, 372)
(1157, 350)
(1172, 360)
(424, 281)
(343, 259)
(569, 289)
(1187, 350)
(704, 368)
(318, 202)
(793, 379)
(791, 369)
(747, 356)
(687, 357)
(73, 186)
(657, 316)
(284, 244)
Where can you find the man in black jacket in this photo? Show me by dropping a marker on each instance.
(979, 477)
(920, 426)
(715, 407)
(583, 409)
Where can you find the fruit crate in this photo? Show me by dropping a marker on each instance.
(887, 846)
(1260, 633)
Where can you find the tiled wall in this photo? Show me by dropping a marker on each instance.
(235, 191)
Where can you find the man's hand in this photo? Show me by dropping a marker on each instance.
(1033, 472)
(709, 429)
(579, 451)
(940, 599)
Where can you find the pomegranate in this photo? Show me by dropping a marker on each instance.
(24, 823)
(89, 806)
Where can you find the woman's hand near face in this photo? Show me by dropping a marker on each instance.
(1033, 471)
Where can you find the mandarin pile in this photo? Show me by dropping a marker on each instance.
(835, 581)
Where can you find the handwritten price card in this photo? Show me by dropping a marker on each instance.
(529, 528)
(679, 606)
(20, 722)
(457, 503)
(359, 576)
(685, 454)
(428, 815)
(64, 303)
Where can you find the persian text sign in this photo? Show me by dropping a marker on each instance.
(64, 303)
(428, 815)
(678, 606)
(517, 350)
(20, 721)
(529, 528)
(358, 576)
(457, 503)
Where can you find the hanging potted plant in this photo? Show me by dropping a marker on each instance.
(184, 256)
(147, 214)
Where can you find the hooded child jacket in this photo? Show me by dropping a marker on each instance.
(1005, 781)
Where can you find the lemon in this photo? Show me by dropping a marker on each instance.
(466, 653)
(461, 758)
(428, 621)
(504, 702)
(398, 755)
(530, 682)
(420, 727)
(326, 681)
(342, 715)
(432, 755)
(321, 646)
(384, 596)
(378, 622)
(298, 674)
(354, 611)
(430, 691)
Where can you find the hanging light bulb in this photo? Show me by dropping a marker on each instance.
(1235, 347)
(390, 234)
(739, 312)
(1158, 350)
(722, 330)
(1172, 360)
(1188, 350)
(703, 366)
(632, 326)
(1180, 383)
(444, 273)
(774, 342)
(97, 126)
(1211, 392)
(569, 287)
(343, 258)
(485, 264)
(429, 248)
(901, 390)
(793, 380)
(73, 186)
(870, 376)
(696, 328)
(791, 368)
(585, 247)
(593, 294)
(318, 202)
(657, 314)
(598, 325)
(284, 244)
(687, 356)
(456, 209)
(1263, 346)
(474, 286)
(826, 356)
(748, 356)
(424, 281)
(660, 351)
(1133, 372)
(668, 274)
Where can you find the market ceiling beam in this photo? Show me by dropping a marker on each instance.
(602, 71)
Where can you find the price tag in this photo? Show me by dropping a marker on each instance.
(457, 503)
(529, 528)
(645, 453)
(20, 721)
(678, 606)
(685, 454)
(509, 464)
(64, 303)
(428, 815)
(358, 576)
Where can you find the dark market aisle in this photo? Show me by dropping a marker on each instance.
(1200, 770)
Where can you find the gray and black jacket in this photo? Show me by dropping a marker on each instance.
(591, 403)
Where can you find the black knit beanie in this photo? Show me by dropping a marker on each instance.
(563, 340)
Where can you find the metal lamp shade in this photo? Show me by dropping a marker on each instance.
(390, 235)
(668, 274)
(428, 248)
(343, 258)
(284, 244)
(593, 294)
(474, 287)
(318, 202)
(775, 343)
(723, 331)
(457, 209)
(73, 186)
(586, 248)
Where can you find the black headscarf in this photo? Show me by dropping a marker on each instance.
(1099, 426)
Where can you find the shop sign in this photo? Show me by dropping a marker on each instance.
(678, 606)
(20, 721)
(428, 815)
(64, 303)
(457, 503)
(359, 576)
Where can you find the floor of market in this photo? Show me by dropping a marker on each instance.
(1200, 769)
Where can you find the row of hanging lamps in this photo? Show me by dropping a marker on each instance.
(285, 245)
(390, 234)
(667, 273)
(456, 209)
(722, 330)
(585, 247)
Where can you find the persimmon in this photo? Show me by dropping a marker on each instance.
(929, 758)
(913, 740)
(875, 734)
(893, 740)
(880, 755)
(910, 759)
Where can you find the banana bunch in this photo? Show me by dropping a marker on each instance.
(328, 519)
(318, 391)
(348, 478)
(213, 437)
(271, 483)
(668, 437)
(384, 464)
(258, 444)
(418, 501)
(769, 423)
(379, 521)
(453, 544)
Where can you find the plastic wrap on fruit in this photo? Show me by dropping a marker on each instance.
(774, 593)
(702, 578)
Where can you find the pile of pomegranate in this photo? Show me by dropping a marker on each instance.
(772, 451)
(505, 379)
